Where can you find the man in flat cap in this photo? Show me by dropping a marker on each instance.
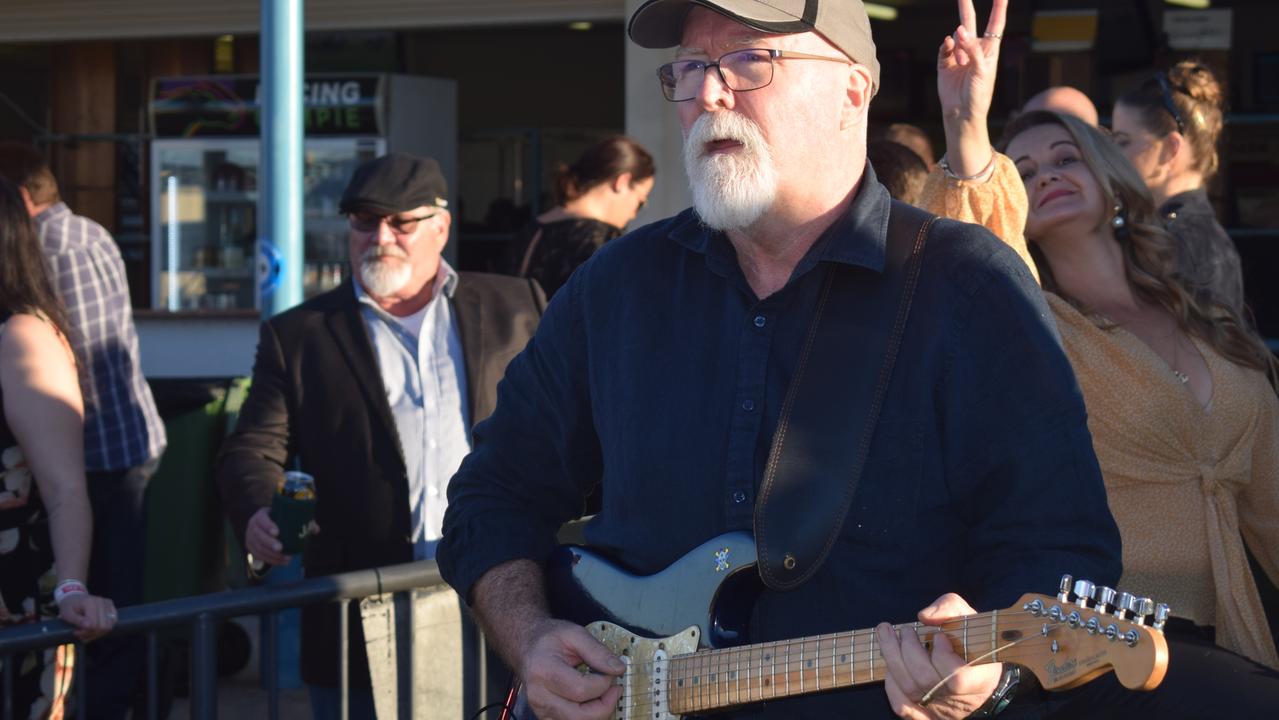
(373, 388)
(731, 369)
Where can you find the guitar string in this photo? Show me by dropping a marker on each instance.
(724, 661)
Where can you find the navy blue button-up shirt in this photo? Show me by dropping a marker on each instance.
(658, 375)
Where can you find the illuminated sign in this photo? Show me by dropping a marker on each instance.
(229, 106)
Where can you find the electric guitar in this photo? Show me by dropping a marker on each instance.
(688, 656)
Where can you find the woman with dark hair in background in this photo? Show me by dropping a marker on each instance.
(1179, 390)
(1169, 127)
(45, 527)
(596, 197)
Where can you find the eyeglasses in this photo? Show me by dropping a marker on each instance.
(367, 223)
(1166, 90)
(740, 70)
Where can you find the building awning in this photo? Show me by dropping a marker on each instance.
(53, 20)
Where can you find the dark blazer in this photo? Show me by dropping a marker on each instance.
(317, 399)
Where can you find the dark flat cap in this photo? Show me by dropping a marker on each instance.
(395, 183)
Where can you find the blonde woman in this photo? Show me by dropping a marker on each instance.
(1179, 391)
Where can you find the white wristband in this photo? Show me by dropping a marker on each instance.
(68, 587)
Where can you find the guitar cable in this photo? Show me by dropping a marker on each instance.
(507, 706)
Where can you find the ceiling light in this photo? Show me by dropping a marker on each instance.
(1195, 4)
(880, 12)
(580, 25)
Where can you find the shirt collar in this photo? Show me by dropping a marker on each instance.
(1190, 200)
(857, 237)
(52, 212)
(445, 282)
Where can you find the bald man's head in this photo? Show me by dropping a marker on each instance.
(1064, 99)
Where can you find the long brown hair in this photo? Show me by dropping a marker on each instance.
(1149, 251)
(1186, 99)
(24, 277)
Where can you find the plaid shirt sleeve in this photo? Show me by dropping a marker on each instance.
(122, 427)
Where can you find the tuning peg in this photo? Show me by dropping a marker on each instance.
(1084, 590)
(1105, 598)
(1145, 608)
(1124, 605)
(1063, 591)
(1161, 616)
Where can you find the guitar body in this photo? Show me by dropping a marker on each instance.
(712, 588)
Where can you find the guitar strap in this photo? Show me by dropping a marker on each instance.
(832, 405)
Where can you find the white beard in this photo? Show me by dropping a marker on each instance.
(730, 190)
(382, 277)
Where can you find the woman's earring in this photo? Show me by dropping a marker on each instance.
(1120, 222)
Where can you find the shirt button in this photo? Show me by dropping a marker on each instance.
(739, 497)
(760, 321)
(433, 491)
(432, 444)
(748, 405)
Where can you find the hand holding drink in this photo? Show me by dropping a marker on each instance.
(275, 533)
(293, 511)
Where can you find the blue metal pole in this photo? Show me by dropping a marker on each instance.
(280, 252)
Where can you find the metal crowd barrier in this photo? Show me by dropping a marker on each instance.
(202, 613)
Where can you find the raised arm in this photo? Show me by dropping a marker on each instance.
(966, 68)
(974, 183)
(43, 407)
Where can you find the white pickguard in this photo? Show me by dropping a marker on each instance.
(645, 686)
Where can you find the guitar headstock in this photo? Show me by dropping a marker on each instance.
(1075, 640)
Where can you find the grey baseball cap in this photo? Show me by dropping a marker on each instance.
(844, 23)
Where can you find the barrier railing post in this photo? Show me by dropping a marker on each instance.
(153, 682)
(404, 637)
(204, 668)
(268, 663)
(8, 698)
(344, 653)
(81, 680)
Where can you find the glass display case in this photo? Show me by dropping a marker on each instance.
(204, 175)
(207, 206)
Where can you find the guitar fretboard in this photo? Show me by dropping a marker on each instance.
(712, 679)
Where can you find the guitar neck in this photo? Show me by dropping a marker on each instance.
(714, 679)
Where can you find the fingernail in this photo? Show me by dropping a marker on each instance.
(615, 664)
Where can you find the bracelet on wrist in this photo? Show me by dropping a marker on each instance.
(944, 164)
(1004, 693)
(67, 588)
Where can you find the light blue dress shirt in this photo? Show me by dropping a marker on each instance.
(425, 379)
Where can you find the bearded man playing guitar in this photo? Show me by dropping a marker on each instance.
(660, 381)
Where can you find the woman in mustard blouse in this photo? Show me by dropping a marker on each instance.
(1181, 395)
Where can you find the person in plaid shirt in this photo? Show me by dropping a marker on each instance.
(123, 434)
